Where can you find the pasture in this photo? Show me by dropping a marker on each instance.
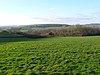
(50, 56)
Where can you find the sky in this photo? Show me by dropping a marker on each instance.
(25, 12)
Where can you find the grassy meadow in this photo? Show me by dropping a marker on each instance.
(50, 56)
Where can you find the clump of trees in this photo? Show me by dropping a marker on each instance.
(68, 31)
(77, 30)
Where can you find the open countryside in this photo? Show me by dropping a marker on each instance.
(49, 37)
(58, 55)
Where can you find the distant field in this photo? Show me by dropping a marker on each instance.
(8, 35)
(50, 56)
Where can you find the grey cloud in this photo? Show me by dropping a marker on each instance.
(64, 19)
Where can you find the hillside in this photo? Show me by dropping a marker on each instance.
(5, 34)
(27, 27)
(92, 24)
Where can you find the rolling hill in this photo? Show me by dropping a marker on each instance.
(5, 34)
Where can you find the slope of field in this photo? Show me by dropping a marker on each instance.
(8, 35)
(50, 56)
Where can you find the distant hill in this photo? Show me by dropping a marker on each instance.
(42, 26)
(92, 24)
(29, 27)
(8, 27)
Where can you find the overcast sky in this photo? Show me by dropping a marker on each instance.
(21, 12)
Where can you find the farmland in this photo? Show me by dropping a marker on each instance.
(8, 35)
(50, 56)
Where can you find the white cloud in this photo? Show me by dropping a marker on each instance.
(12, 19)
(67, 20)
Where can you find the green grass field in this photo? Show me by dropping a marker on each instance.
(50, 56)
(8, 35)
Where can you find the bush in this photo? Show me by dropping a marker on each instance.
(77, 30)
(69, 31)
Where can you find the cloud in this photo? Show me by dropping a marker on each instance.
(97, 14)
(64, 19)
(13, 19)
(8, 19)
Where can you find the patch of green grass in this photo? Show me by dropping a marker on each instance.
(24, 30)
(50, 56)
(8, 35)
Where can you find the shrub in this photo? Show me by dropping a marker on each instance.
(76, 30)
(69, 31)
